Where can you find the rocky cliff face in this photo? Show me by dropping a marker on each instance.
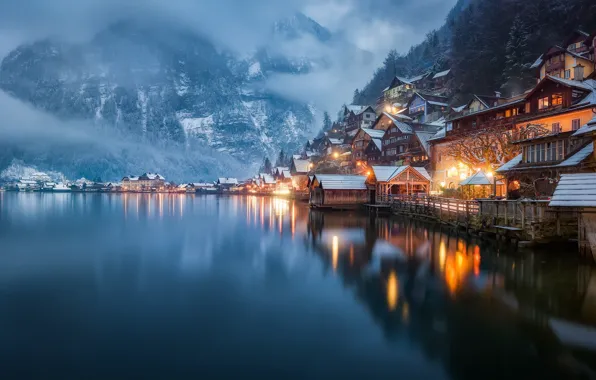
(167, 88)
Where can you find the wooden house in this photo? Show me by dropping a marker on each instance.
(361, 140)
(577, 193)
(363, 118)
(338, 191)
(373, 152)
(481, 185)
(398, 180)
(406, 143)
(558, 109)
(426, 108)
(440, 79)
(573, 59)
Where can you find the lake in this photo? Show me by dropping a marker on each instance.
(138, 286)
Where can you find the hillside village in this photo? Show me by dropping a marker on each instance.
(511, 146)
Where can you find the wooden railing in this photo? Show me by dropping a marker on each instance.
(533, 217)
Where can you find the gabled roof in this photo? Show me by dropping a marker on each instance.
(403, 127)
(510, 164)
(478, 178)
(487, 100)
(429, 97)
(286, 174)
(424, 138)
(354, 108)
(227, 181)
(397, 81)
(590, 127)
(584, 86)
(441, 74)
(378, 143)
(387, 173)
(374, 133)
(301, 166)
(364, 109)
(575, 190)
(341, 182)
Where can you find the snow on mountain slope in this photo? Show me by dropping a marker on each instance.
(166, 88)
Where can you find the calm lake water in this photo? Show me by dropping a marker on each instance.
(182, 286)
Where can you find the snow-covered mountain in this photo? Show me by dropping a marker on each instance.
(169, 89)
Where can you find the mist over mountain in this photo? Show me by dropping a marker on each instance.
(166, 89)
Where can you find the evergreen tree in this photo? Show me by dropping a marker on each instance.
(266, 166)
(517, 76)
(281, 159)
(326, 121)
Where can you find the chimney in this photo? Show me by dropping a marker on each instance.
(578, 72)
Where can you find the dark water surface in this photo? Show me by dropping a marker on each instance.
(181, 286)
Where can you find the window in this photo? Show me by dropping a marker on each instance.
(556, 128)
(541, 152)
(531, 154)
(543, 103)
(575, 124)
(551, 151)
(567, 73)
(560, 150)
(557, 100)
(528, 107)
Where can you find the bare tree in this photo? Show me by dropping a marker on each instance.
(492, 146)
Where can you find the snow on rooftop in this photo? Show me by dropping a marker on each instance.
(439, 135)
(227, 181)
(378, 143)
(374, 133)
(588, 128)
(424, 138)
(510, 164)
(336, 141)
(537, 63)
(301, 166)
(441, 74)
(578, 157)
(403, 127)
(575, 190)
(459, 109)
(438, 103)
(478, 178)
(341, 182)
(586, 85)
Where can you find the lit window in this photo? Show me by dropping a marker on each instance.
(557, 99)
(543, 103)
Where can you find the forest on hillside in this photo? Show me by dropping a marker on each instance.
(489, 45)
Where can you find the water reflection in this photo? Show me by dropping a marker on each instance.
(271, 274)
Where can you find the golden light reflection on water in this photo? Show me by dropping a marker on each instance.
(392, 291)
(335, 252)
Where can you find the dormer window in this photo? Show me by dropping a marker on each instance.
(543, 103)
(557, 100)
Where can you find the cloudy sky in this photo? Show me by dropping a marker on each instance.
(372, 25)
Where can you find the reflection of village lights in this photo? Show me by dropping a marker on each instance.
(334, 252)
(281, 192)
(405, 313)
(442, 255)
(280, 206)
(392, 291)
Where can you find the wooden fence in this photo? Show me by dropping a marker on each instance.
(533, 219)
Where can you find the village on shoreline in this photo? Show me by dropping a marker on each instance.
(521, 166)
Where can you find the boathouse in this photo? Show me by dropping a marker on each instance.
(338, 191)
(577, 193)
(398, 180)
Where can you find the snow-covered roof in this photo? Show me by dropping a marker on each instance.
(227, 181)
(585, 85)
(537, 63)
(439, 123)
(278, 170)
(575, 190)
(356, 109)
(341, 182)
(578, 157)
(441, 74)
(387, 173)
(424, 138)
(286, 174)
(302, 166)
(374, 133)
(459, 108)
(438, 103)
(378, 143)
(403, 127)
(510, 164)
(202, 184)
(439, 135)
(153, 176)
(336, 141)
(478, 178)
(588, 128)
(416, 78)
